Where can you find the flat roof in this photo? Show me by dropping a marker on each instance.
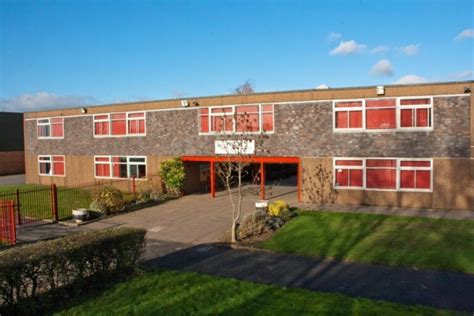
(451, 87)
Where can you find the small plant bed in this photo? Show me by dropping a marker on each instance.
(185, 293)
(426, 243)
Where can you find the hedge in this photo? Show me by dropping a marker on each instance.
(33, 275)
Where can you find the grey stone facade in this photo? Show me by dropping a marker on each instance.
(303, 130)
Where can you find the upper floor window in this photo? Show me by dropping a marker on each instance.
(50, 127)
(120, 167)
(236, 119)
(383, 114)
(404, 174)
(51, 166)
(119, 124)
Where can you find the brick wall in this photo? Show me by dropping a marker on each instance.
(12, 162)
(303, 130)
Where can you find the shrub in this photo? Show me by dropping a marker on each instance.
(254, 224)
(32, 276)
(149, 191)
(172, 173)
(107, 200)
(280, 209)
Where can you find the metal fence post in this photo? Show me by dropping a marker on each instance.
(12, 222)
(18, 208)
(134, 188)
(54, 202)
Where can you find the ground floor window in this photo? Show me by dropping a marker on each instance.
(51, 165)
(404, 174)
(120, 167)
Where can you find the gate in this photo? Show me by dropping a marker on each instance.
(7, 223)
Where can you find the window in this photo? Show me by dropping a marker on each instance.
(51, 165)
(349, 173)
(415, 174)
(50, 127)
(119, 124)
(415, 113)
(380, 114)
(120, 167)
(348, 115)
(237, 118)
(383, 114)
(381, 174)
(404, 174)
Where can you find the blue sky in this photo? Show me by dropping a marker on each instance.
(69, 53)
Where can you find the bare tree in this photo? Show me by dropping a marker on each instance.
(238, 149)
(319, 190)
(245, 88)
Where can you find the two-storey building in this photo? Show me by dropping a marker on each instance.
(398, 145)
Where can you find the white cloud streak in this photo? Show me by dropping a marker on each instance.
(347, 48)
(382, 68)
(334, 36)
(410, 50)
(466, 34)
(409, 79)
(381, 49)
(43, 101)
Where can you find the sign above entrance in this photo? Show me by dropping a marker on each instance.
(234, 147)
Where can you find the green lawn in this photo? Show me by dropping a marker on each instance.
(391, 240)
(184, 293)
(35, 200)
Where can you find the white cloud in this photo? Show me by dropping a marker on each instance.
(43, 101)
(466, 34)
(382, 68)
(462, 75)
(410, 50)
(347, 48)
(409, 79)
(379, 49)
(322, 86)
(334, 36)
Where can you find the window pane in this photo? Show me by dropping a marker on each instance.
(355, 119)
(414, 101)
(341, 119)
(119, 127)
(43, 130)
(58, 168)
(381, 178)
(101, 128)
(119, 159)
(422, 118)
(381, 103)
(267, 122)
(381, 163)
(406, 118)
(57, 130)
(57, 120)
(119, 170)
(348, 104)
(380, 119)
(102, 159)
(415, 163)
(45, 167)
(204, 124)
(132, 115)
(102, 170)
(267, 108)
(136, 159)
(246, 109)
(203, 111)
(423, 179)
(342, 177)
(407, 179)
(101, 117)
(348, 162)
(117, 116)
(356, 178)
(248, 122)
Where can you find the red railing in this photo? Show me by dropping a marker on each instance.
(7, 223)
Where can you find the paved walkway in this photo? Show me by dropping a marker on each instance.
(12, 180)
(447, 290)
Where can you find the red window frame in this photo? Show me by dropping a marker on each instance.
(416, 113)
(380, 114)
(416, 175)
(120, 167)
(120, 124)
(349, 173)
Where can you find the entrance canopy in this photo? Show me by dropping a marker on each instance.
(252, 159)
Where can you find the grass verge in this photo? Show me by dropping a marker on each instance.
(439, 244)
(184, 293)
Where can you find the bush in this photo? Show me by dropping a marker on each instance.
(107, 200)
(254, 224)
(149, 191)
(31, 276)
(280, 209)
(172, 173)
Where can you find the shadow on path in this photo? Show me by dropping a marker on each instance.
(440, 289)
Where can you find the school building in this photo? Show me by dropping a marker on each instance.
(395, 145)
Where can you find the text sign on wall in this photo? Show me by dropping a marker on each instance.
(234, 147)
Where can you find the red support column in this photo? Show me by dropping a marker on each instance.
(299, 182)
(213, 180)
(262, 181)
